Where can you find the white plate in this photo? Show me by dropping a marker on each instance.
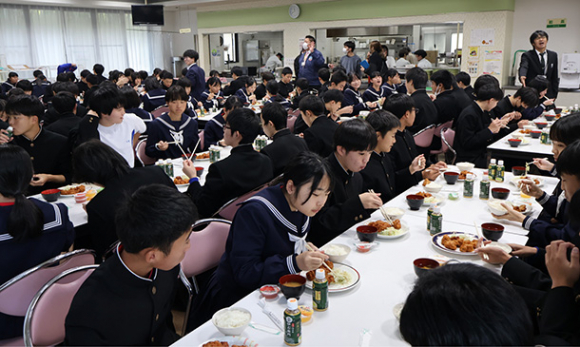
(87, 188)
(436, 241)
(233, 340)
(182, 185)
(336, 288)
(404, 230)
(207, 159)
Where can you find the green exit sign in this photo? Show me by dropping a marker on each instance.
(556, 23)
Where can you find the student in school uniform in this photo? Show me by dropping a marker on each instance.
(261, 89)
(515, 104)
(324, 79)
(40, 85)
(285, 145)
(132, 103)
(82, 84)
(10, 83)
(337, 81)
(476, 128)
(237, 83)
(375, 92)
(540, 84)
(213, 96)
(213, 133)
(379, 174)
(464, 82)
(244, 170)
(274, 97)
(285, 83)
(300, 92)
(128, 299)
(392, 83)
(26, 86)
(320, 131)
(154, 96)
(404, 154)
(246, 93)
(422, 61)
(91, 81)
(49, 152)
(267, 237)
(194, 73)
(108, 122)
(192, 104)
(173, 132)
(348, 203)
(353, 98)
(166, 79)
(350, 61)
(51, 115)
(98, 70)
(448, 109)
(31, 230)
(426, 112)
(65, 104)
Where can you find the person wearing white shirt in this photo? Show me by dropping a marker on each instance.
(402, 62)
(119, 131)
(423, 63)
(274, 62)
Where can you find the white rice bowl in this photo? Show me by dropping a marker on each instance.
(232, 321)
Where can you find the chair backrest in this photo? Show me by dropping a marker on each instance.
(140, 152)
(202, 140)
(159, 111)
(290, 123)
(294, 113)
(424, 137)
(17, 293)
(447, 140)
(44, 321)
(438, 128)
(229, 209)
(207, 246)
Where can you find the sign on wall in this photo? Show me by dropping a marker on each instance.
(556, 23)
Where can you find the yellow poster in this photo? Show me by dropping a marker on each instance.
(473, 52)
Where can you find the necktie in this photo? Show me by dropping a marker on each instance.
(543, 62)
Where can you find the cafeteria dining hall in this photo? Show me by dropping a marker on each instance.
(289, 173)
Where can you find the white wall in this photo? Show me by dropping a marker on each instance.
(174, 43)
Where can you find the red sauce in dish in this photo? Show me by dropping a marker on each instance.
(451, 173)
(415, 197)
(492, 227)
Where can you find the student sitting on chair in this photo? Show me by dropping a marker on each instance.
(375, 93)
(167, 80)
(173, 132)
(213, 96)
(285, 145)
(274, 97)
(128, 299)
(464, 82)
(246, 93)
(192, 104)
(348, 203)
(65, 104)
(324, 79)
(213, 133)
(393, 84)
(286, 86)
(261, 89)
(320, 131)
(10, 83)
(154, 96)
(300, 92)
(237, 83)
(426, 112)
(132, 102)
(524, 98)
(353, 98)
(244, 170)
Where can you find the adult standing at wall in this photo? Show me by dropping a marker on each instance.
(310, 61)
(195, 74)
(540, 61)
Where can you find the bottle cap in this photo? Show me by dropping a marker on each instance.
(436, 209)
(500, 162)
(320, 274)
(485, 177)
(10, 129)
(292, 304)
(493, 161)
(469, 177)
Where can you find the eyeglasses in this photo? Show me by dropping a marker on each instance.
(227, 127)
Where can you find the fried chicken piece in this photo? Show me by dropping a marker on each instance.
(466, 247)
(426, 182)
(397, 224)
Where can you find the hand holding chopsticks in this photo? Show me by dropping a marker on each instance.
(480, 242)
(383, 210)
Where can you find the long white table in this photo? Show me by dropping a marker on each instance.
(387, 277)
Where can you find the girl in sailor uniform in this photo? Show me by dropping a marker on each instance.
(213, 96)
(353, 98)
(267, 238)
(246, 93)
(393, 84)
(374, 92)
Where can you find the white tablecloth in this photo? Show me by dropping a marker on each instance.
(387, 277)
(535, 146)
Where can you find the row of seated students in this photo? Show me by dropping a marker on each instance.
(355, 144)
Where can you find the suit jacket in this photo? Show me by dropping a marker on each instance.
(447, 107)
(244, 170)
(234, 86)
(260, 91)
(197, 77)
(379, 175)
(426, 113)
(470, 92)
(319, 137)
(65, 123)
(461, 98)
(530, 68)
(285, 88)
(285, 146)
(343, 207)
(402, 155)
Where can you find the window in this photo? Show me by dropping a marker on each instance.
(230, 48)
(454, 41)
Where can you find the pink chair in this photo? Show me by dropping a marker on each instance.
(140, 153)
(202, 142)
(159, 111)
(424, 137)
(294, 113)
(290, 122)
(44, 321)
(447, 138)
(207, 247)
(229, 209)
(439, 127)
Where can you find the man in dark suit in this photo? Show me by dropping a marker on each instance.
(194, 73)
(320, 132)
(540, 61)
(286, 145)
(244, 170)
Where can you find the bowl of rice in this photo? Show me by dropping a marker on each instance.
(231, 321)
(336, 252)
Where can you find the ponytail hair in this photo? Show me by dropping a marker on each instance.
(25, 220)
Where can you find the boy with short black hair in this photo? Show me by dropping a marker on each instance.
(301, 91)
(320, 132)
(237, 83)
(274, 97)
(324, 79)
(49, 151)
(10, 83)
(173, 131)
(476, 129)
(348, 203)
(464, 82)
(98, 70)
(25, 85)
(65, 104)
(195, 73)
(286, 86)
(128, 299)
(213, 133)
(261, 91)
(426, 112)
(285, 145)
(192, 104)
(244, 170)
(166, 79)
(524, 98)
(350, 61)
(448, 109)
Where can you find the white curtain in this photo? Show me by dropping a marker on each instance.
(50, 36)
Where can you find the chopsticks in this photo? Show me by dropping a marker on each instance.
(485, 256)
(383, 211)
(323, 263)
(193, 153)
(178, 145)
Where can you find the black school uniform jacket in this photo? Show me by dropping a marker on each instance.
(115, 307)
(462, 100)
(234, 86)
(319, 137)
(260, 91)
(402, 155)
(530, 68)
(473, 135)
(285, 146)
(65, 123)
(50, 154)
(425, 111)
(470, 92)
(297, 98)
(447, 107)
(244, 170)
(285, 88)
(379, 175)
(153, 99)
(102, 208)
